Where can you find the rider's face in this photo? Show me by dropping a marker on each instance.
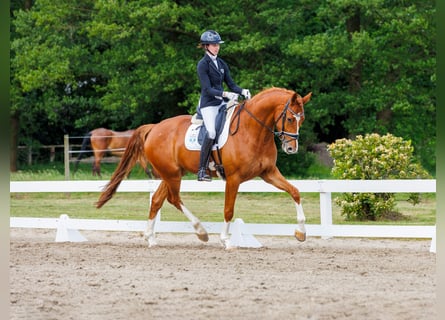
(213, 48)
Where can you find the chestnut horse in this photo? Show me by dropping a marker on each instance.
(250, 151)
(103, 141)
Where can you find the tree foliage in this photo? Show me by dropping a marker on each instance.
(81, 64)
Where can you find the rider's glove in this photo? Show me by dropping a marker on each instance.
(230, 95)
(246, 94)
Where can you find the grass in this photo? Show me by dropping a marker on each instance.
(251, 207)
(56, 171)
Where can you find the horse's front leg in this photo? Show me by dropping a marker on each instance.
(229, 205)
(300, 231)
(276, 178)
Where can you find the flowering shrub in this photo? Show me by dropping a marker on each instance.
(373, 157)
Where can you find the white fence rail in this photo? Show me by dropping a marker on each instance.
(325, 188)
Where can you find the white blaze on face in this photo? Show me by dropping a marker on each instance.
(286, 141)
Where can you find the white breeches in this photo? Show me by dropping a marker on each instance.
(209, 116)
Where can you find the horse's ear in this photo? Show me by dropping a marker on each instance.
(294, 99)
(307, 98)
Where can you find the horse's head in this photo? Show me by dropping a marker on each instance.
(289, 121)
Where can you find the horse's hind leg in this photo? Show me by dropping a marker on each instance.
(98, 155)
(156, 203)
(174, 199)
(232, 186)
(172, 193)
(199, 228)
(96, 170)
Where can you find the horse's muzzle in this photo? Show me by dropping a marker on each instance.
(290, 147)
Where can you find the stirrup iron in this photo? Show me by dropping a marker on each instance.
(203, 176)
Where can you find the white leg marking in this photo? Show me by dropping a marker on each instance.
(150, 233)
(224, 237)
(200, 230)
(189, 215)
(301, 219)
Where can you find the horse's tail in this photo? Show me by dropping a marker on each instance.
(85, 143)
(134, 152)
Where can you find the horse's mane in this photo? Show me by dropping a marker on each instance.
(274, 90)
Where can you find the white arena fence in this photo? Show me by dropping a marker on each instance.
(326, 228)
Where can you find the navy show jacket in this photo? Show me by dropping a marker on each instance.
(211, 79)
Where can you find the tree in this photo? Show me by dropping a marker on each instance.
(373, 67)
(48, 54)
(15, 5)
(82, 64)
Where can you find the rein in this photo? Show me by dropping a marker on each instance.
(282, 116)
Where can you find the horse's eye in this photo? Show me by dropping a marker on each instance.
(290, 120)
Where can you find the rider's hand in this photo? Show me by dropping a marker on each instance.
(246, 94)
(230, 95)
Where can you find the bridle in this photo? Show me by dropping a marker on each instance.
(281, 134)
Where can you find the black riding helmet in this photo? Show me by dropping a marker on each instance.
(211, 37)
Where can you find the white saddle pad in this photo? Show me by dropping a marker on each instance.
(191, 136)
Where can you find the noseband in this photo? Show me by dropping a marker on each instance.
(281, 134)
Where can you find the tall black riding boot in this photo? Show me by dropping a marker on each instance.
(206, 149)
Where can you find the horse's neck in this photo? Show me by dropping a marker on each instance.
(265, 109)
(259, 120)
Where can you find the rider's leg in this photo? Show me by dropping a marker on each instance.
(206, 149)
(209, 117)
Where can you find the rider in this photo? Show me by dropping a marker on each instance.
(212, 72)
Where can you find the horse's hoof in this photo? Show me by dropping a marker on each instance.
(229, 247)
(225, 243)
(301, 236)
(204, 237)
(201, 232)
(152, 242)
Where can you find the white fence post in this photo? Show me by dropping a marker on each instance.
(326, 214)
(325, 211)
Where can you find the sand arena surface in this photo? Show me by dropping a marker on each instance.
(116, 276)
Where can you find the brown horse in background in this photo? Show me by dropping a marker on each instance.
(103, 141)
(249, 152)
